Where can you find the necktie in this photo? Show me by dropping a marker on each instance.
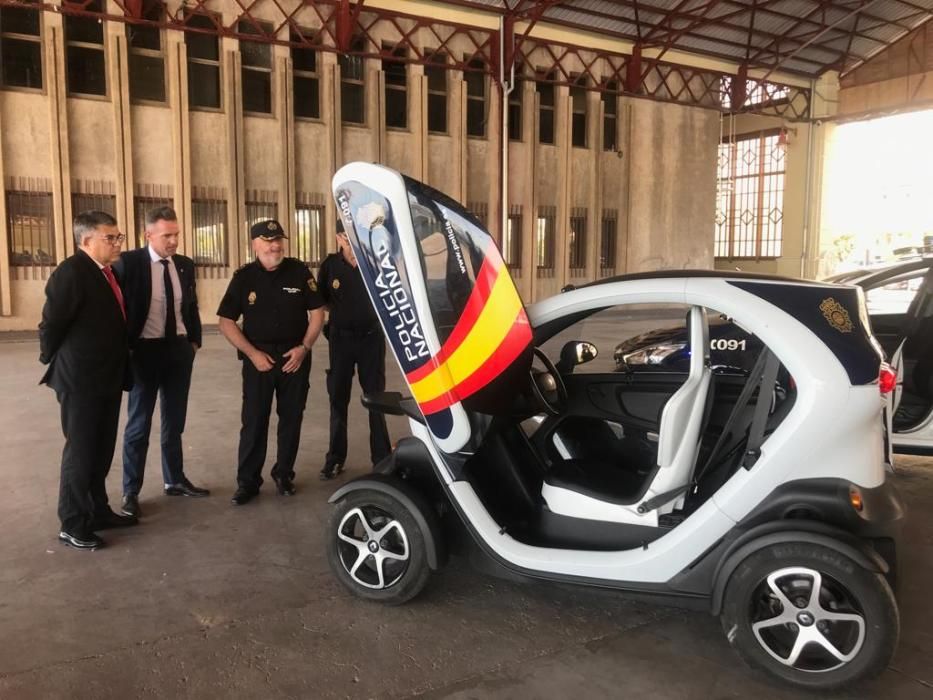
(108, 273)
(170, 331)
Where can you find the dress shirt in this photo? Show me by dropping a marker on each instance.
(155, 321)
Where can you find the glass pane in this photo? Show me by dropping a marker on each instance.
(609, 133)
(396, 108)
(351, 67)
(206, 46)
(19, 20)
(22, 63)
(85, 29)
(144, 37)
(515, 121)
(437, 74)
(351, 103)
(437, 113)
(209, 218)
(476, 117)
(546, 125)
(304, 59)
(147, 78)
(203, 85)
(86, 74)
(255, 54)
(395, 73)
(579, 130)
(307, 99)
(257, 91)
(546, 93)
(476, 84)
(31, 228)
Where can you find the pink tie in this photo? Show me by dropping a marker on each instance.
(108, 273)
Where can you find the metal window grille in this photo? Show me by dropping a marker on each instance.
(20, 47)
(353, 83)
(577, 243)
(750, 197)
(256, 68)
(309, 242)
(395, 85)
(259, 207)
(305, 79)
(610, 99)
(96, 196)
(512, 242)
(209, 228)
(31, 228)
(146, 57)
(142, 205)
(85, 64)
(481, 211)
(203, 61)
(545, 88)
(607, 243)
(578, 101)
(436, 71)
(477, 102)
(545, 241)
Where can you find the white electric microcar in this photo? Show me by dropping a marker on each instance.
(762, 496)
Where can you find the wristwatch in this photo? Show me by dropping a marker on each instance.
(307, 349)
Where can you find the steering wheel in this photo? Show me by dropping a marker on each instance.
(548, 387)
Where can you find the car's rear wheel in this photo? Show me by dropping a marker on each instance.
(810, 616)
(376, 549)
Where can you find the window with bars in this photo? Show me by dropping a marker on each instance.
(512, 242)
(257, 211)
(610, 99)
(85, 65)
(750, 197)
(93, 202)
(209, 232)
(545, 239)
(308, 242)
(141, 207)
(353, 83)
(396, 87)
(608, 235)
(203, 63)
(515, 104)
(545, 89)
(146, 58)
(256, 68)
(20, 47)
(578, 112)
(477, 105)
(305, 78)
(436, 71)
(577, 243)
(30, 227)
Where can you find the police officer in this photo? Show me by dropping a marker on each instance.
(282, 317)
(355, 339)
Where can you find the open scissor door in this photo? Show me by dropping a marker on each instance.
(443, 294)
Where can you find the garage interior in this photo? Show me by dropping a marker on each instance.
(593, 138)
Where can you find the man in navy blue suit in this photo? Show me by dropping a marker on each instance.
(164, 328)
(82, 338)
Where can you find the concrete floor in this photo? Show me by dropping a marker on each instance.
(207, 600)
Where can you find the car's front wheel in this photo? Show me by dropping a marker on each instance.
(811, 616)
(376, 549)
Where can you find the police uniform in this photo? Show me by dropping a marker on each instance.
(274, 305)
(354, 339)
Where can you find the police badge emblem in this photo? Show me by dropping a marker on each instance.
(335, 284)
(312, 285)
(836, 314)
(251, 298)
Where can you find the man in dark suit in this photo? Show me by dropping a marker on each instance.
(164, 329)
(82, 338)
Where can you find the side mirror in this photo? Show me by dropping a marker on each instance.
(576, 352)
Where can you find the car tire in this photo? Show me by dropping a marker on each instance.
(845, 633)
(394, 569)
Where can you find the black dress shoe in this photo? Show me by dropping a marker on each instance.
(105, 521)
(330, 471)
(131, 506)
(81, 540)
(242, 496)
(186, 488)
(284, 486)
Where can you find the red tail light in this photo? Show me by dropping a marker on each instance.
(887, 378)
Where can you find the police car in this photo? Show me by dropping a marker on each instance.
(772, 509)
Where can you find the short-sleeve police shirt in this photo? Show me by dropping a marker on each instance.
(345, 294)
(275, 304)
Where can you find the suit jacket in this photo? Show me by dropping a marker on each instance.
(134, 271)
(82, 335)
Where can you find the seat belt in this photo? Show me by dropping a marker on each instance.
(756, 433)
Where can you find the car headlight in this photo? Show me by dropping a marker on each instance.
(653, 354)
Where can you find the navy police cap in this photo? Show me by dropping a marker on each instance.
(268, 230)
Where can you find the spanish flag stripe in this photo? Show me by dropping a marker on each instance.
(515, 342)
(484, 282)
(500, 312)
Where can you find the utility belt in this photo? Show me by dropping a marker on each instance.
(274, 350)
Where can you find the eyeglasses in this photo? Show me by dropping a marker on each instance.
(113, 240)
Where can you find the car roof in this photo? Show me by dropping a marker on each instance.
(678, 274)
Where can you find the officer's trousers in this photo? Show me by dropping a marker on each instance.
(291, 394)
(367, 353)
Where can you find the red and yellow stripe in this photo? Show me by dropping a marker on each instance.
(490, 334)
